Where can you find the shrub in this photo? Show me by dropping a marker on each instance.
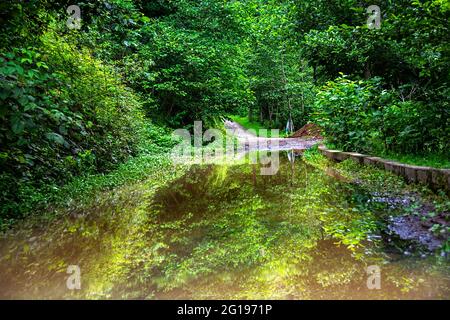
(362, 116)
(62, 113)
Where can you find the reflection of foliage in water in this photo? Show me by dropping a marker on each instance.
(219, 231)
(391, 196)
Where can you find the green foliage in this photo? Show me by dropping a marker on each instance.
(410, 46)
(429, 160)
(185, 59)
(362, 116)
(402, 105)
(83, 189)
(281, 80)
(83, 101)
(63, 113)
(342, 109)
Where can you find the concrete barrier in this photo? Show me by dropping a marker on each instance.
(357, 157)
(433, 177)
(374, 161)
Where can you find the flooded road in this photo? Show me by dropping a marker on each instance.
(250, 141)
(222, 232)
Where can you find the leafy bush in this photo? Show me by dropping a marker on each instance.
(62, 113)
(343, 110)
(362, 116)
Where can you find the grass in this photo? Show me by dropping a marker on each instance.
(153, 158)
(254, 125)
(83, 189)
(430, 160)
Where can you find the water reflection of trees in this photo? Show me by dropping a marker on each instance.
(217, 231)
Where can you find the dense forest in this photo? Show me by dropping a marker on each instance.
(349, 201)
(80, 97)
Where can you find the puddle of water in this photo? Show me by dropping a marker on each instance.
(220, 232)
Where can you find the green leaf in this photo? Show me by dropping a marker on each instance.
(55, 137)
(17, 124)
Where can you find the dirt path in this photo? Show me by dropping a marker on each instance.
(252, 142)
